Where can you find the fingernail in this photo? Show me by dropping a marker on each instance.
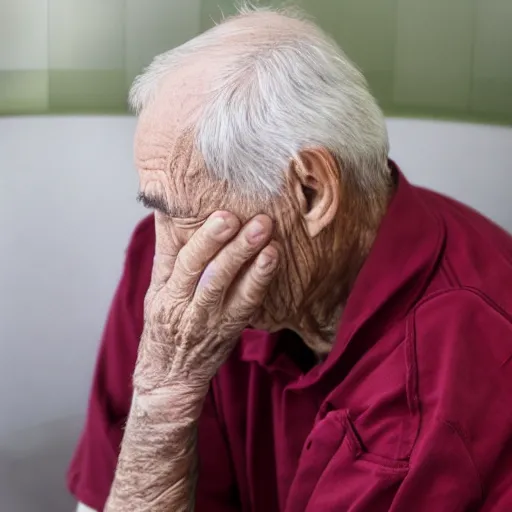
(218, 225)
(256, 230)
(266, 261)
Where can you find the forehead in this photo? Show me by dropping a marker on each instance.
(164, 126)
(170, 167)
(175, 177)
(165, 155)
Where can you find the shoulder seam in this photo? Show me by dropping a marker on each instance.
(474, 291)
(451, 276)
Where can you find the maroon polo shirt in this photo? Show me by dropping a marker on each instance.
(411, 411)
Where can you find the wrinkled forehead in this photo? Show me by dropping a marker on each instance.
(171, 169)
(165, 154)
(164, 143)
(168, 120)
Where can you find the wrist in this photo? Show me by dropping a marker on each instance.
(162, 369)
(176, 403)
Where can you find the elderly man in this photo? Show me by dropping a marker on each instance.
(376, 373)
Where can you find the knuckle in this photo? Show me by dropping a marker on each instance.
(255, 288)
(213, 283)
(251, 295)
(156, 312)
(185, 263)
(260, 277)
(149, 302)
(264, 274)
(245, 311)
(158, 330)
(242, 250)
(210, 295)
(266, 265)
(219, 228)
(161, 316)
(231, 321)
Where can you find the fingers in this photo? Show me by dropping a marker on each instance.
(204, 244)
(223, 270)
(167, 248)
(250, 291)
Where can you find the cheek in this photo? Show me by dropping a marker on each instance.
(183, 230)
(184, 234)
(171, 234)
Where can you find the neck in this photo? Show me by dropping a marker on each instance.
(318, 317)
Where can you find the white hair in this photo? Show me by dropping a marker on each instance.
(274, 95)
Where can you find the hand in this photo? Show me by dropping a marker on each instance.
(201, 297)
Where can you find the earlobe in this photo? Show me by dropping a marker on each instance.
(317, 188)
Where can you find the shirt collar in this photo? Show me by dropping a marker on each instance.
(405, 252)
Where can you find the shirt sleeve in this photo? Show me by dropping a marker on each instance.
(444, 476)
(463, 456)
(499, 495)
(92, 468)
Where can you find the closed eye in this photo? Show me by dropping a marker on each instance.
(160, 204)
(190, 223)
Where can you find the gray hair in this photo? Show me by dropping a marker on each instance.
(273, 96)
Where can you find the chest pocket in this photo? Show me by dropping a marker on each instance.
(337, 474)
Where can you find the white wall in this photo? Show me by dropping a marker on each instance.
(470, 162)
(67, 207)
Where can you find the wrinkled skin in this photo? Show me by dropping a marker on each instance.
(192, 324)
(209, 309)
(206, 287)
(322, 247)
(198, 304)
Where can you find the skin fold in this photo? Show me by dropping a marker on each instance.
(225, 260)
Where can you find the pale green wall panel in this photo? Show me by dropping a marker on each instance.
(357, 26)
(434, 54)
(88, 90)
(212, 12)
(442, 58)
(23, 34)
(87, 55)
(24, 92)
(492, 70)
(23, 56)
(155, 26)
(86, 34)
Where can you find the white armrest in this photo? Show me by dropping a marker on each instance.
(84, 508)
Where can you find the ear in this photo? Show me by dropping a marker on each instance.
(316, 185)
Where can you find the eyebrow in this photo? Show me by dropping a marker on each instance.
(159, 203)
